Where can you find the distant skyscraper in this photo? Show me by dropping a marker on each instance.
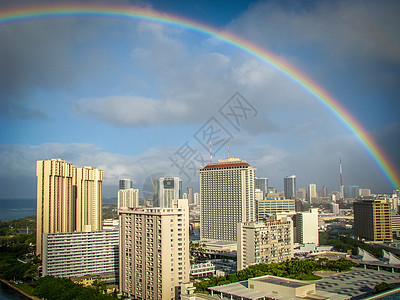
(128, 198)
(226, 198)
(353, 191)
(68, 199)
(196, 197)
(125, 184)
(167, 189)
(324, 191)
(341, 192)
(289, 183)
(190, 195)
(312, 192)
(154, 251)
(301, 194)
(262, 184)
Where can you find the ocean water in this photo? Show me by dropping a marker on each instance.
(17, 208)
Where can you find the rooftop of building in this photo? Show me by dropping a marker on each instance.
(282, 281)
(225, 163)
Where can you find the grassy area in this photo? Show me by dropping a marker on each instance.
(26, 288)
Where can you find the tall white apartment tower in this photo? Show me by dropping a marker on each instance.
(226, 198)
(68, 199)
(128, 198)
(89, 182)
(167, 189)
(154, 251)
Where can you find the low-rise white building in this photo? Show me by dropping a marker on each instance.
(80, 253)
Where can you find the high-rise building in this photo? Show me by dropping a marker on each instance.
(264, 242)
(196, 197)
(306, 224)
(167, 189)
(128, 198)
(324, 191)
(125, 184)
(190, 195)
(89, 182)
(312, 192)
(372, 220)
(154, 251)
(76, 254)
(56, 210)
(289, 183)
(68, 199)
(226, 198)
(262, 184)
(301, 194)
(353, 191)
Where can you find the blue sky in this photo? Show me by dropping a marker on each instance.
(125, 95)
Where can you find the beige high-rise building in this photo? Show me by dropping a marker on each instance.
(154, 251)
(68, 199)
(226, 198)
(264, 242)
(89, 183)
(128, 198)
(312, 192)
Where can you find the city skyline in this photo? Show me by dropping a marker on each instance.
(124, 95)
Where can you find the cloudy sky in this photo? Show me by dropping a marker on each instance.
(134, 97)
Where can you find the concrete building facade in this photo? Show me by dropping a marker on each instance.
(154, 251)
(264, 242)
(274, 205)
(128, 198)
(226, 198)
(306, 227)
(80, 253)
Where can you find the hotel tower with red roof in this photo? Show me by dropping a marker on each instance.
(226, 198)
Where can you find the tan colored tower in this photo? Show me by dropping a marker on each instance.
(373, 220)
(55, 198)
(68, 199)
(154, 251)
(226, 198)
(88, 199)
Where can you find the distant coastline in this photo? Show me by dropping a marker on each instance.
(17, 208)
(20, 208)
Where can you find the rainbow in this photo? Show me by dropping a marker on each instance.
(26, 13)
